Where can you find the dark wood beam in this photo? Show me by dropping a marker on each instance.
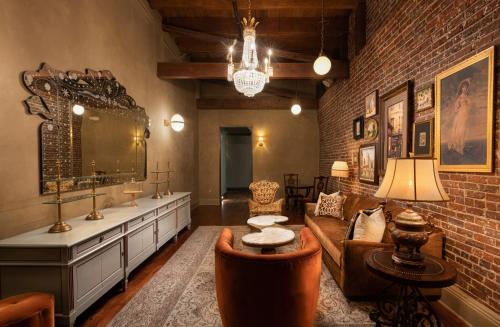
(268, 27)
(256, 4)
(256, 103)
(269, 89)
(191, 70)
(237, 19)
(216, 38)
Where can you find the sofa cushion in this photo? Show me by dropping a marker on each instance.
(355, 202)
(320, 198)
(331, 206)
(330, 232)
(370, 227)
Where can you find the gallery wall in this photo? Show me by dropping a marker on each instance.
(291, 144)
(123, 36)
(415, 40)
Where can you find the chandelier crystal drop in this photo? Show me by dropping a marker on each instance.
(249, 77)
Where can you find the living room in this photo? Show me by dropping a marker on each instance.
(250, 163)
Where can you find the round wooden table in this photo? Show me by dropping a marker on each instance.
(411, 308)
(269, 238)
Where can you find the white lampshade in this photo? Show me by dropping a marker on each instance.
(296, 109)
(322, 65)
(177, 122)
(412, 179)
(78, 109)
(340, 169)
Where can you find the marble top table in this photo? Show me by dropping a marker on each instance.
(260, 222)
(269, 238)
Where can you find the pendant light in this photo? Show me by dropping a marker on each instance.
(322, 64)
(296, 108)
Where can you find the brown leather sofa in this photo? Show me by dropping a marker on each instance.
(27, 310)
(267, 290)
(345, 258)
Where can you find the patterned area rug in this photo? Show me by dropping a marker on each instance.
(182, 293)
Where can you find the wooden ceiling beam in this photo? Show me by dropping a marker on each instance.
(271, 90)
(189, 70)
(226, 41)
(256, 103)
(256, 4)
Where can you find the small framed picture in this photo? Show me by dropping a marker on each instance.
(423, 138)
(425, 98)
(371, 129)
(358, 128)
(371, 104)
(368, 170)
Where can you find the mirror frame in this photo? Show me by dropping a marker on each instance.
(92, 88)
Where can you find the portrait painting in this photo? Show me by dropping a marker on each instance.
(464, 115)
(425, 98)
(423, 138)
(371, 129)
(368, 172)
(371, 104)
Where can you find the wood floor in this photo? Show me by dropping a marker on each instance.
(233, 211)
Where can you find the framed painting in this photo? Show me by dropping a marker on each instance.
(424, 98)
(371, 129)
(423, 138)
(396, 110)
(358, 128)
(368, 170)
(464, 115)
(371, 107)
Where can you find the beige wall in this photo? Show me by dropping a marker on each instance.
(291, 144)
(123, 36)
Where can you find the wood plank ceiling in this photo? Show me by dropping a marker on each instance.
(204, 29)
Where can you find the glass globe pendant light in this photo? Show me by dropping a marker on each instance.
(322, 64)
(296, 108)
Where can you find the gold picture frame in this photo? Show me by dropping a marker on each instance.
(463, 142)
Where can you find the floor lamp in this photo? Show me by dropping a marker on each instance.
(340, 169)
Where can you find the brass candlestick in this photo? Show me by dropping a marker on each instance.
(157, 182)
(60, 226)
(168, 171)
(94, 214)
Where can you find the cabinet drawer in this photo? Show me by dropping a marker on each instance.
(112, 233)
(86, 245)
(183, 200)
(166, 208)
(95, 241)
(140, 219)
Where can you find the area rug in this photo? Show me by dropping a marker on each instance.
(182, 293)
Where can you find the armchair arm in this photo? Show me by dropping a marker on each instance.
(27, 309)
(309, 208)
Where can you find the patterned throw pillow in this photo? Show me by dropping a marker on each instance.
(320, 197)
(332, 206)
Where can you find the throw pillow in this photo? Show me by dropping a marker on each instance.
(321, 195)
(332, 206)
(350, 228)
(370, 227)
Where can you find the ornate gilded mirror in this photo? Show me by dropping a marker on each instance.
(87, 116)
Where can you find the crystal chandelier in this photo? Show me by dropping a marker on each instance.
(250, 77)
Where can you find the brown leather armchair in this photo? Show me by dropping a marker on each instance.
(267, 290)
(263, 199)
(27, 310)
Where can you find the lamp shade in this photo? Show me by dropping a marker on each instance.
(412, 179)
(340, 169)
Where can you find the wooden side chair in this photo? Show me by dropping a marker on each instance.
(320, 185)
(291, 184)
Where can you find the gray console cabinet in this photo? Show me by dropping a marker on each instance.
(79, 266)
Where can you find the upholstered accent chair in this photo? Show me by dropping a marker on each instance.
(263, 202)
(28, 309)
(267, 289)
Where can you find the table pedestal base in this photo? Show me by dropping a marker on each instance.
(268, 251)
(410, 309)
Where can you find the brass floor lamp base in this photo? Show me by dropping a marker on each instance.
(95, 215)
(60, 227)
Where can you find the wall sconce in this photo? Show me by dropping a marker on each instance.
(260, 141)
(176, 122)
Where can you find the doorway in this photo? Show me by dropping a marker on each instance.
(236, 161)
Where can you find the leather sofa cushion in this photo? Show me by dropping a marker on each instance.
(330, 232)
(354, 203)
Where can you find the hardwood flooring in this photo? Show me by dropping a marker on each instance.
(233, 211)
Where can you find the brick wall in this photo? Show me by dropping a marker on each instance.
(415, 40)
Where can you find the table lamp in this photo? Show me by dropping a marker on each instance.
(340, 169)
(411, 180)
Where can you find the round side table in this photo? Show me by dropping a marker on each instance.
(410, 308)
